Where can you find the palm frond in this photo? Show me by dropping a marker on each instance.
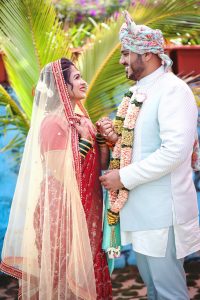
(31, 37)
(14, 110)
(172, 17)
(100, 67)
(12, 119)
(16, 142)
(100, 62)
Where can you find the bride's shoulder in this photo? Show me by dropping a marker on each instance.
(52, 123)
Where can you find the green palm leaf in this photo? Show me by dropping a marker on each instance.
(31, 37)
(12, 119)
(100, 67)
(14, 110)
(100, 62)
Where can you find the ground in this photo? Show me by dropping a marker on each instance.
(127, 283)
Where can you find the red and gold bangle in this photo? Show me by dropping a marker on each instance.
(84, 146)
(100, 140)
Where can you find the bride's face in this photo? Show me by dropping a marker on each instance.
(78, 87)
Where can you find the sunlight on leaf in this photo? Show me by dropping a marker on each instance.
(100, 60)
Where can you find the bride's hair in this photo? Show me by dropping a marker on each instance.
(46, 76)
(66, 65)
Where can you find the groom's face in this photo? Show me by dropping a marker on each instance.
(133, 62)
(124, 59)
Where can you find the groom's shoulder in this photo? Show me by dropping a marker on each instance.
(171, 81)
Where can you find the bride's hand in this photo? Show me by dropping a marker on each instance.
(106, 129)
(83, 129)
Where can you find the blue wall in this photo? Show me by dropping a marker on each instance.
(7, 184)
(8, 176)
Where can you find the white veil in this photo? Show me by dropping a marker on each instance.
(47, 244)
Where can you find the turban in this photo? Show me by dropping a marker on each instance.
(142, 39)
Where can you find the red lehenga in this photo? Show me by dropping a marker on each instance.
(53, 241)
(92, 203)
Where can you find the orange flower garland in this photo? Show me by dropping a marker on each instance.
(124, 125)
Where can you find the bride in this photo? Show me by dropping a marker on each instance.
(53, 241)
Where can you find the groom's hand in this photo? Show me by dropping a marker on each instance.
(111, 180)
(106, 129)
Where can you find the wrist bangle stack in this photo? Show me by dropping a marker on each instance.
(100, 140)
(84, 146)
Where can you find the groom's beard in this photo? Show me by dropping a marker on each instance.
(135, 70)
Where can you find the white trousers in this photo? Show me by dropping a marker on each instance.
(164, 276)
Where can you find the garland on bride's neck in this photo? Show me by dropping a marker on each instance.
(124, 125)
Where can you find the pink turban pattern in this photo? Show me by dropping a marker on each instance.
(142, 39)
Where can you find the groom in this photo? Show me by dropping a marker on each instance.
(159, 216)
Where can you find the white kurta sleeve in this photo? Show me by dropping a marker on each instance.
(177, 117)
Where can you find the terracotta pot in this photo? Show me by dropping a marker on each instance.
(3, 75)
(186, 59)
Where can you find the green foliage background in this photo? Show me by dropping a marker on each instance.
(32, 35)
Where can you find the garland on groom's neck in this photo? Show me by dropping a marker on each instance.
(124, 125)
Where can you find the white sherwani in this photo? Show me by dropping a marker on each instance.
(163, 172)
